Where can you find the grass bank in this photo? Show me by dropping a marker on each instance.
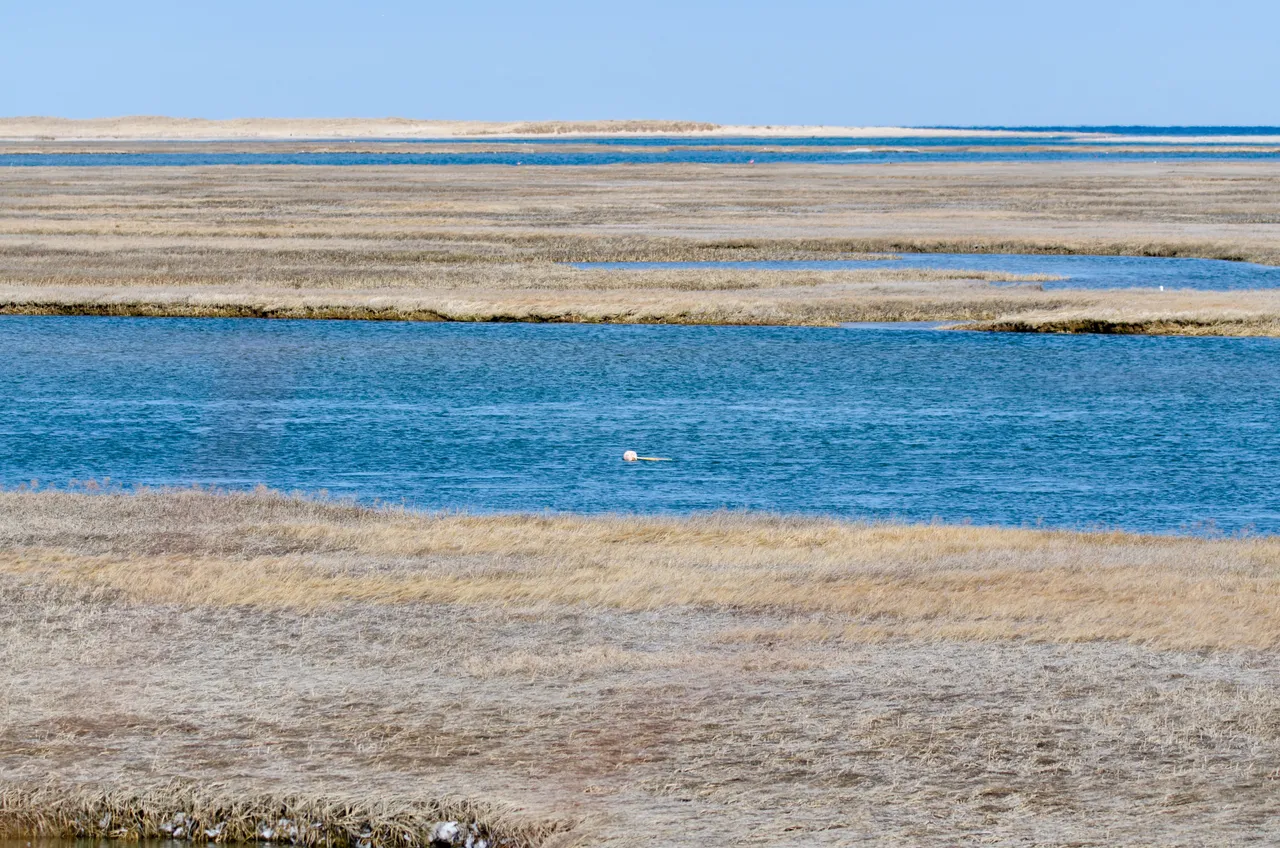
(554, 294)
(482, 243)
(746, 679)
(1267, 325)
(882, 580)
(185, 811)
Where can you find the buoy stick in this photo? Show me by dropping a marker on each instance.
(632, 456)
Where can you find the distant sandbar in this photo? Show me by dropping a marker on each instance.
(138, 127)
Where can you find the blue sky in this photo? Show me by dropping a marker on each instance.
(913, 62)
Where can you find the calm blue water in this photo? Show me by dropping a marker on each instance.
(607, 155)
(1136, 432)
(1140, 130)
(1052, 144)
(1054, 136)
(1084, 272)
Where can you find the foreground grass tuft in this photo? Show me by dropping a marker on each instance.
(186, 811)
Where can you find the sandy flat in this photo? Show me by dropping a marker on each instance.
(141, 127)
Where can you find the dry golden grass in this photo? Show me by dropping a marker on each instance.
(480, 243)
(882, 580)
(516, 279)
(724, 679)
(1215, 209)
(695, 298)
(557, 293)
(1183, 313)
(599, 127)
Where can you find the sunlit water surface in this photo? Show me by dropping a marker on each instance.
(608, 155)
(1171, 144)
(1145, 433)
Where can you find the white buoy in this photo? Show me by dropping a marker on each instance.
(632, 456)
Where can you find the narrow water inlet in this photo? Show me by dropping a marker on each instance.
(1073, 271)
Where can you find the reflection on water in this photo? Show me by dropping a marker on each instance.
(1139, 432)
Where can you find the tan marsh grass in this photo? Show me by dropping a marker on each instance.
(480, 243)
(882, 580)
(719, 679)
